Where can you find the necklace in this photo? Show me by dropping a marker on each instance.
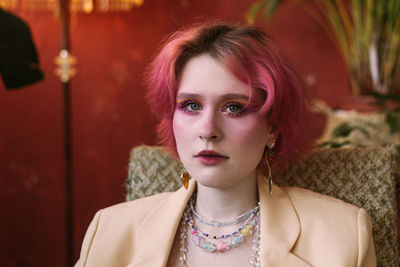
(237, 220)
(244, 230)
(235, 238)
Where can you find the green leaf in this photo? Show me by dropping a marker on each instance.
(344, 129)
(254, 9)
(333, 144)
(398, 153)
(393, 120)
(271, 7)
(324, 144)
(267, 8)
(385, 97)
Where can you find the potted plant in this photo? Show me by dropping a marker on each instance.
(366, 32)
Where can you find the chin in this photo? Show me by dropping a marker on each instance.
(213, 183)
(215, 180)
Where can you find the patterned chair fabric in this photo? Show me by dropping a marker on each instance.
(361, 176)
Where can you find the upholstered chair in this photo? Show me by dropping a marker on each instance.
(363, 177)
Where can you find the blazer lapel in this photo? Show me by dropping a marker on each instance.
(280, 228)
(156, 233)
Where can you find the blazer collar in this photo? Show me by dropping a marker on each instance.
(156, 233)
(280, 228)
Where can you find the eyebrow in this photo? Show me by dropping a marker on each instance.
(183, 96)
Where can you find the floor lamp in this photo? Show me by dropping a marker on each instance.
(65, 70)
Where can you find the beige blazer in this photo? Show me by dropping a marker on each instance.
(298, 228)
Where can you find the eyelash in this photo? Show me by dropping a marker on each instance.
(184, 106)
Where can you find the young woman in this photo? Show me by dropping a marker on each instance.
(231, 108)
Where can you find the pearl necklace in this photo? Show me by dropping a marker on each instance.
(222, 246)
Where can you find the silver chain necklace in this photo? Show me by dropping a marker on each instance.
(184, 225)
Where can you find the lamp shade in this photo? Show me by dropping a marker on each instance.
(19, 63)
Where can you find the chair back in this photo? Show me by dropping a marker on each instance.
(360, 176)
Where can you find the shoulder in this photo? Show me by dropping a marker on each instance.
(314, 208)
(127, 215)
(337, 230)
(305, 199)
(113, 228)
(134, 210)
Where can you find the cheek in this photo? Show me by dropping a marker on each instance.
(176, 127)
(180, 129)
(250, 139)
(251, 132)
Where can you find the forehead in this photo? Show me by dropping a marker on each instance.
(206, 75)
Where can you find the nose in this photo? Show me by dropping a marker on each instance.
(209, 128)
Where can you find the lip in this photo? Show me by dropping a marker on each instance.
(210, 157)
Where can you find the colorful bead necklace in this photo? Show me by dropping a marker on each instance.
(252, 224)
(244, 230)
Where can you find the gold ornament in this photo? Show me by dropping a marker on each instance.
(185, 177)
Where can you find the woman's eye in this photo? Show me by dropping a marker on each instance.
(193, 106)
(233, 109)
(189, 107)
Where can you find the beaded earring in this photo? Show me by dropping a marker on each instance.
(185, 177)
(270, 157)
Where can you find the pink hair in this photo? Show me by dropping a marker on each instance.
(253, 58)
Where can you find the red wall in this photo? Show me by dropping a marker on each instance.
(109, 114)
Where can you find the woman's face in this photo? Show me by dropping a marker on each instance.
(220, 134)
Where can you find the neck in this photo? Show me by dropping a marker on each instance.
(227, 203)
